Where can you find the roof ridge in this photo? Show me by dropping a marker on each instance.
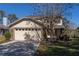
(26, 18)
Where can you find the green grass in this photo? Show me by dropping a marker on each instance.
(61, 48)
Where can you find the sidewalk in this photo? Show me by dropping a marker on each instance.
(8, 42)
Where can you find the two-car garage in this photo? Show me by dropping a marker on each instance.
(25, 29)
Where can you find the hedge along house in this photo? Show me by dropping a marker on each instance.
(26, 28)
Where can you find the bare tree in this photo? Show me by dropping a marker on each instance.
(51, 13)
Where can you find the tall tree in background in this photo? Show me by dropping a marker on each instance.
(12, 18)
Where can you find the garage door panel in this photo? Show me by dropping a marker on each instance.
(20, 35)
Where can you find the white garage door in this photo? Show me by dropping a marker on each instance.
(21, 34)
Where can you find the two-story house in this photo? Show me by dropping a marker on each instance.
(31, 28)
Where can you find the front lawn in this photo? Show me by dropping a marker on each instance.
(61, 48)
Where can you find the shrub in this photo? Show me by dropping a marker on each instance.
(53, 51)
(45, 50)
(2, 39)
(7, 35)
(41, 50)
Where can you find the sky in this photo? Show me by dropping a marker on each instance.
(22, 10)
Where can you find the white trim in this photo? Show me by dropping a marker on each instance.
(61, 22)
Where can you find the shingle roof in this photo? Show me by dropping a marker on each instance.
(35, 19)
(26, 18)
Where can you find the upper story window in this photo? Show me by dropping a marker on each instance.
(61, 22)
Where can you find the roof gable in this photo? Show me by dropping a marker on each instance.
(23, 19)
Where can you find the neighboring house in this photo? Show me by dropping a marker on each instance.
(3, 25)
(31, 28)
(3, 29)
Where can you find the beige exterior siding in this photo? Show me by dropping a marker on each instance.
(20, 30)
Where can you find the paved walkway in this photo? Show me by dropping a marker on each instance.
(17, 48)
(8, 42)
